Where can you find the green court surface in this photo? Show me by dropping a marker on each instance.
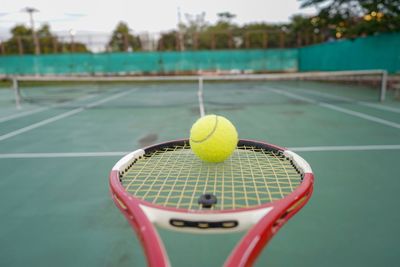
(56, 153)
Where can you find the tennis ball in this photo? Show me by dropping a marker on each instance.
(213, 138)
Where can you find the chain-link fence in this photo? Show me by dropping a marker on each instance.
(167, 41)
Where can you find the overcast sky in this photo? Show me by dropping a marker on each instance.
(141, 15)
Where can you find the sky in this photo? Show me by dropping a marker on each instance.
(141, 16)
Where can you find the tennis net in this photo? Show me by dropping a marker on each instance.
(161, 91)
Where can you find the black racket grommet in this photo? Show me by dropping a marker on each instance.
(207, 200)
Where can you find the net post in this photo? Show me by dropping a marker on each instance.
(383, 86)
(16, 92)
(200, 96)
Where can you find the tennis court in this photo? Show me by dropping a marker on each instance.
(56, 153)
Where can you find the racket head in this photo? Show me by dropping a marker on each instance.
(291, 178)
(264, 215)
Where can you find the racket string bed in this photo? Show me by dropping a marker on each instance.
(174, 177)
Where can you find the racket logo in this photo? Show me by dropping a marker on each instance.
(204, 224)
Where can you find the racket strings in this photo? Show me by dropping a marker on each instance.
(175, 177)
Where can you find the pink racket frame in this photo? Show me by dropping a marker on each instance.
(248, 249)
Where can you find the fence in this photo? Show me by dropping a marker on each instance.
(375, 52)
(62, 42)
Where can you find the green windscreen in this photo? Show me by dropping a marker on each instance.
(374, 52)
(151, 62)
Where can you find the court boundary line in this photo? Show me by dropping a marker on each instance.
(345, 148)
(123, 153)
(60, 155)
(337, 108)
(350, 100)
(23, 114)
(40, 109)
(60, 116)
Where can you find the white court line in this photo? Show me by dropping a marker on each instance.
(60, 155)
(34, 111)
(361, 115)
(123, 153)
(59, 117)
(39, 124)
(343, 110)
(379, 106)
(200, 98)
(363, 103)
(22, 114)
(344, 148)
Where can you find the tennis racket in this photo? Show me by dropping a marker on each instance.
(257, 189)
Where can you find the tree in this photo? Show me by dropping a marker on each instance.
(47, 41)
(222, 34)
(123, 40)
(195, 26)
(21, 42)
(352, 18)
(263, 35)
(225, 34)
(191, 32)
(305, 30)
(168, 41)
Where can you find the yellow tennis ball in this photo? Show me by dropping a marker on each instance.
(213, 138)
